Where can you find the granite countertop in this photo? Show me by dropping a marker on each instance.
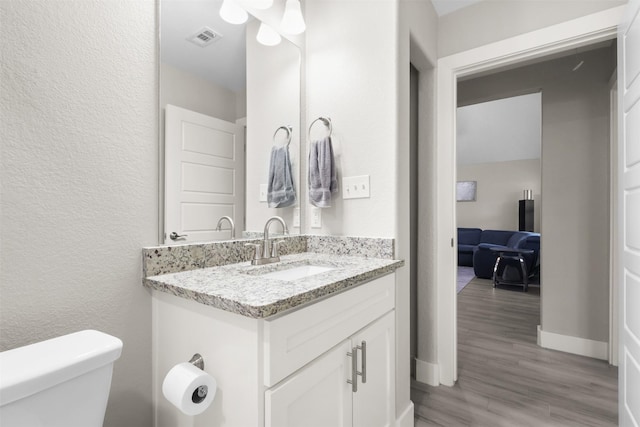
(243, 289)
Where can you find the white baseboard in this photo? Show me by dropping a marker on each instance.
(574, 345)
(406, 418)
(427, 373)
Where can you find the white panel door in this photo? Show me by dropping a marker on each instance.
(629, 89)
(374, 402)
(204, 175)
(316, 396)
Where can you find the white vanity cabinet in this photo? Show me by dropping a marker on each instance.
(291, 370)
(319, 394)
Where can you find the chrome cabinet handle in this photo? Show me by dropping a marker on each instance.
(176, 236)
(354, 369)
(363, 349)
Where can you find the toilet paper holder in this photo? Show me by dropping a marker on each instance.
(197, 361)
(201, 392)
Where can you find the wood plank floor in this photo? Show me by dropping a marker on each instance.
(505, 379)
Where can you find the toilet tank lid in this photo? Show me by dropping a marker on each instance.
(30, 369)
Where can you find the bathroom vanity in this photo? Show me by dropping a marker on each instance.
(308, 341)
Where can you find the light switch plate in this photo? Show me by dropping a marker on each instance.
(263, 192)
(296, 217)
(316, 218)
(355, 187)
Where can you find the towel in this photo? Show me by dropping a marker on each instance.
(280, 192)
(322, 173)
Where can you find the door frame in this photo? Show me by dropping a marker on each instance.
(571, 34)
(614, 202)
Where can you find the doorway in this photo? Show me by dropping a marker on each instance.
(528, 46)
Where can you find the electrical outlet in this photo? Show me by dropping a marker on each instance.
(296, 217)
(263, 192)
(355, 187)
(316, 218)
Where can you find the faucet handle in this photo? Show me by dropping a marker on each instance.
(274, 247)
(257, 247)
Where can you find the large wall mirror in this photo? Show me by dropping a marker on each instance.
(223, 98)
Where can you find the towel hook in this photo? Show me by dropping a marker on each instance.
(327, 123)
(289, 131)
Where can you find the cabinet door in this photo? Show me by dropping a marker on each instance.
(316, 396)
(374, 402)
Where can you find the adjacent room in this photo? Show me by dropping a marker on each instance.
(498, 171)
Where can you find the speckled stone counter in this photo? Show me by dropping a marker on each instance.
(244, 289)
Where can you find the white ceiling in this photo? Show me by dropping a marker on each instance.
(447, 6)
(499, 131)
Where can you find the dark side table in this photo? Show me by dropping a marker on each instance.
(511, 257)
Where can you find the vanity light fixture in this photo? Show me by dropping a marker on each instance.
(261, 4)
(231, 12)
(268, 36)
(292, 20)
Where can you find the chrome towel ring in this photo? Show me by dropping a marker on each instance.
(287, 129)
(326, 121)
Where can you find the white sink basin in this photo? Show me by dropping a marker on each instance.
(299, 272)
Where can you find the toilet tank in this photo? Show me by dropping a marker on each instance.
(63, 381)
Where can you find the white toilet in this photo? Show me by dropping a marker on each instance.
(63, 381)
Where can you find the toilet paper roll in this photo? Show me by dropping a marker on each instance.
(189, 388)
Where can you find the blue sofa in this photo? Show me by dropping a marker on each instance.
(468, 240)
(474, 248)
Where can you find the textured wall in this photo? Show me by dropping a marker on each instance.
(79, 180)
(575, 185)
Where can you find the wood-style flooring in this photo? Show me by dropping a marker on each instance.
(505, 379)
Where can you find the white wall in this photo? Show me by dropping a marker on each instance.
(575, 186)
(500, 186)
(80, 180)
(489, 21)
(351, 78)
(186, 90)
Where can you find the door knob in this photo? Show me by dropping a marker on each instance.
(176, 236)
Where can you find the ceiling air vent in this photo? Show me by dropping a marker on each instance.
(205, 37)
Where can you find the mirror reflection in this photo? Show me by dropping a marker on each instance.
(223, 95)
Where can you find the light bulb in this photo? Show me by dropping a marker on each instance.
(267, 35)
(231, 12)
(292, 20)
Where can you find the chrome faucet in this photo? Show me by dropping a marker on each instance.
(233, 226)
(269, 249)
